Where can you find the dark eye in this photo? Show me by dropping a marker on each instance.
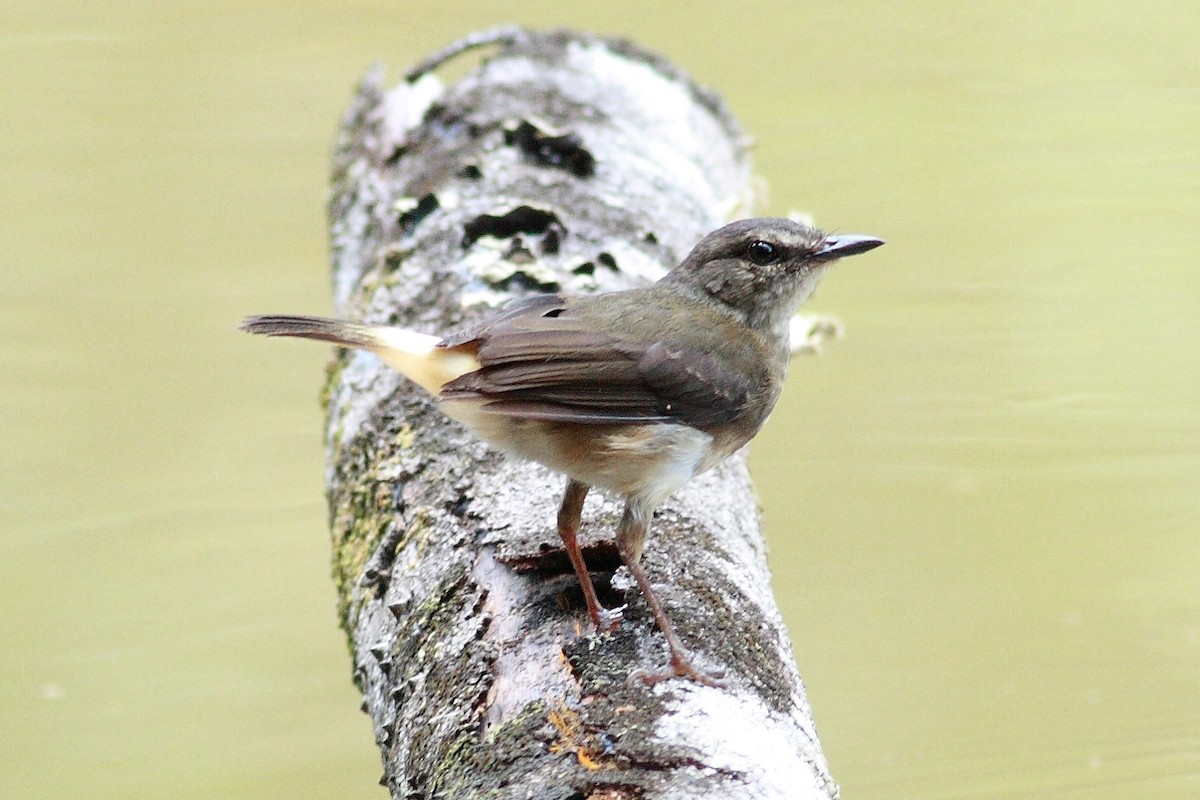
(762, 253)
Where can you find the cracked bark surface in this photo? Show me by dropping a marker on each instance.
(563, 162)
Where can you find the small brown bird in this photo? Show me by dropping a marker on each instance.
(635, 392)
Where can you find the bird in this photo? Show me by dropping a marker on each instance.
(634, 392)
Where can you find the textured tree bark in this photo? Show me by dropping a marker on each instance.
(567, 163)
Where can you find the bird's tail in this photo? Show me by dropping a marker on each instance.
(417, 356)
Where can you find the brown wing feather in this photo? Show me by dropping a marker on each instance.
(540, 362)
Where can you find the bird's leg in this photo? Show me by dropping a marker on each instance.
(569, 515)
(631, 540)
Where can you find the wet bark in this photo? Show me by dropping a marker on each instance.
(566, 163)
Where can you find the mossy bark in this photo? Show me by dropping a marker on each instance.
(569, 163)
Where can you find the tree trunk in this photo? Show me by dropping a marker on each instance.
(565, 163)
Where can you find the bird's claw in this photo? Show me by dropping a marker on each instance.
(608, 619)
(680, 668)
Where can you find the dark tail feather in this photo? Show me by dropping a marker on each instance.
(347, 334)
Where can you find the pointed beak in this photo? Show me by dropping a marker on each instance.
(844, 245)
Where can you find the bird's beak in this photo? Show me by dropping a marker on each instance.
(844, 245)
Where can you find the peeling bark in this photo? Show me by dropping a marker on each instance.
(567, 163)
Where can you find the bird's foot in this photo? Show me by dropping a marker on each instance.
(607, 619)
(681, 667)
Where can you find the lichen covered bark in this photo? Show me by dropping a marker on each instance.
(562, 163)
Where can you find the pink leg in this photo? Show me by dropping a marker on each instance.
(631, 539)
(569, 515)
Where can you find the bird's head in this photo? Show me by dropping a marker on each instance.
(764, 269)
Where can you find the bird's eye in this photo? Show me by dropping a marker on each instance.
(762, 253)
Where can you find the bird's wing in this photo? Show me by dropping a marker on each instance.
(538, 361)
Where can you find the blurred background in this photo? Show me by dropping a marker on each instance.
(982, 504)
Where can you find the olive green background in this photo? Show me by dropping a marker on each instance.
(982, 504)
